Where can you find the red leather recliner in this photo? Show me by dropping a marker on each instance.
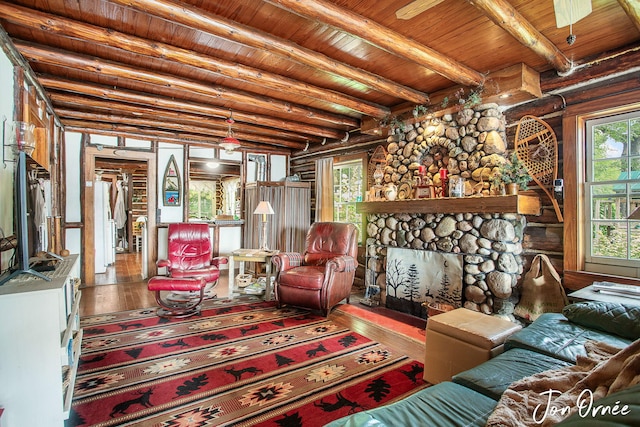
(189, 253)
(323, 276)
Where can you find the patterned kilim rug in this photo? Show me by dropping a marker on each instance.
(248, 364)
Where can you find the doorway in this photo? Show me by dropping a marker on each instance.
(120, 209)
(113, 164)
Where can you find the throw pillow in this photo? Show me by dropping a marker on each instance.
(615, 318)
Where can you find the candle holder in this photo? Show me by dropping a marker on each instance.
(444, 182)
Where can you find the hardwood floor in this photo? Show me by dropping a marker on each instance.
(128, 292)
(126, 269)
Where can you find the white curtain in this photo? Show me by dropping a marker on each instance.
(324, 190)
(229, 201)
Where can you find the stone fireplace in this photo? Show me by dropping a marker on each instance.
(490, 245)
(483, 228)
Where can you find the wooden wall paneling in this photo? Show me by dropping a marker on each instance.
(33, 112)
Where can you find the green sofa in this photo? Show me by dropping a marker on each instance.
(551, 342)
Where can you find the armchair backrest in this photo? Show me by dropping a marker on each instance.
(326, 240)
(189, 246)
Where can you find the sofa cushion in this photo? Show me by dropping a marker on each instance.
(445, 404)
(554, 335)
(494, 376)
(629, 397)
(614, 318)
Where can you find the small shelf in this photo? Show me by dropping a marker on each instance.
(70, 380)
(521, 204)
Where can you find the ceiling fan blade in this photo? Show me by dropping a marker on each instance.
(570, 11)
(416, 8)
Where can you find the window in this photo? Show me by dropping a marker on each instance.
(612, 190)
(202, 200)
(348, 182)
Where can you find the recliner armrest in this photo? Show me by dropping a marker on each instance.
(287, 260)
(217, 261)
(342, 263)
(163, 263)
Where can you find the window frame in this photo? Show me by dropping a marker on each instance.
(574, 169)
(195, 184)
(600, 263)
(343, 160)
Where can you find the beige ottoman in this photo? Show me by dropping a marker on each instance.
(462, 339)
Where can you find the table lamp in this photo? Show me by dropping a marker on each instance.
(264, 208)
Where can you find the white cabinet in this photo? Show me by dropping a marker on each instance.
(40, 346)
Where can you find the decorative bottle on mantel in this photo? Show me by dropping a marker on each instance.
(391, 191)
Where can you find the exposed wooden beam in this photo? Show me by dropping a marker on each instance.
(72, 101)
(123, 95)
(509, 19)
(47, 55)
(103, 36)
(415, 8)
(84, 126)
(508, 86)
(621, 61)
(214, 134)
(197, 18)
(632, 9)
(17, 59)
(383, 37)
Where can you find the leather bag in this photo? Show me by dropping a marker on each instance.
(542, 290)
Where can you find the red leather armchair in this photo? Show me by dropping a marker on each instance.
(189, 253)
(323, 276)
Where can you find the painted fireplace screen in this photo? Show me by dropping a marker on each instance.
(418, 276)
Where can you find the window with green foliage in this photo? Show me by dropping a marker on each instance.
(348, 183)
(202, 200)
(613, 191)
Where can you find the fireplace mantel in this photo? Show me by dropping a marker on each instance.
(521, 204)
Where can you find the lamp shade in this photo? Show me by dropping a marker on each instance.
(264, 208)
(635, 214)
(229, 142)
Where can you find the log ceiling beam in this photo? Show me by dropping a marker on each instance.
(510, 20)
(632, 9)
(82, 126)
(154, 101)
(383, 37)
(102, 36)
(172, 126)
(64, 101)
(415, 8)
(197, 18)
(56, 57)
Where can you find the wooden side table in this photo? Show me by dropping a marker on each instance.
(251, 255)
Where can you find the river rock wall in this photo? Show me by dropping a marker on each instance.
(469, 144)
(491, 245)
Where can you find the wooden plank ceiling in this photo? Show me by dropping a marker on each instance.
(294, 73)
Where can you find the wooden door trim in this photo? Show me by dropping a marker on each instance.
(88, 238)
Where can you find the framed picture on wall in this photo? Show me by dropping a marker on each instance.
(171, 185)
